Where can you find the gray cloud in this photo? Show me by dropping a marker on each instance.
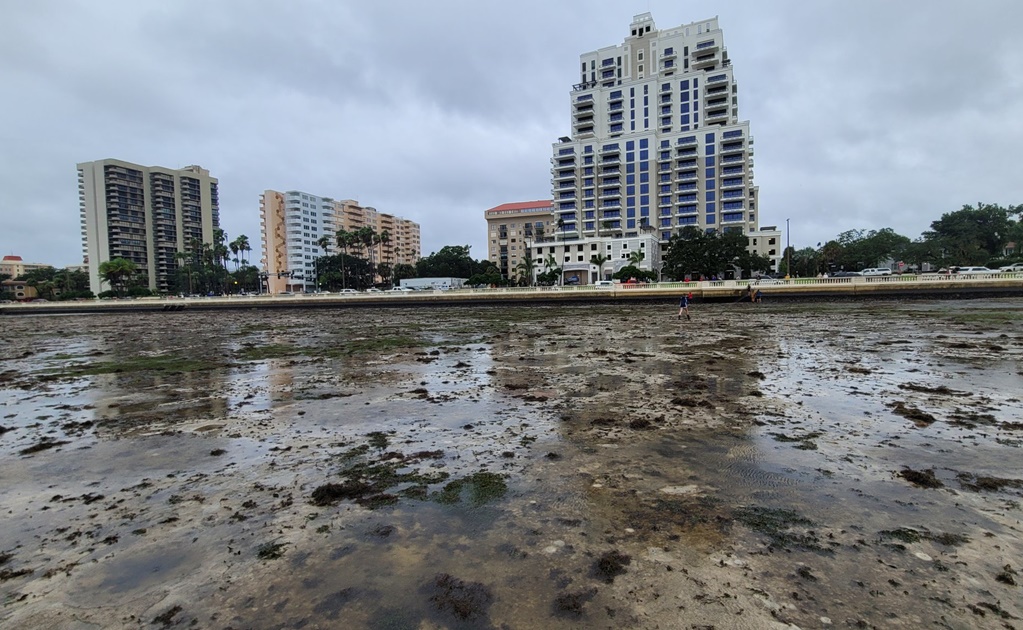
(866, 115)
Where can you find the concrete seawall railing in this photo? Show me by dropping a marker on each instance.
(895, 286)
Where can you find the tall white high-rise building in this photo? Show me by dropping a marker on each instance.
(145, 214)
(656, 144)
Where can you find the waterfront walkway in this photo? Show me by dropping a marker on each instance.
(932, 286)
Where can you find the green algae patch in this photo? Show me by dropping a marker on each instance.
(330, 350)
(477, 489)
(785, 529)
(270, 551)
(141, 363)
(375, 482)
(269, 351)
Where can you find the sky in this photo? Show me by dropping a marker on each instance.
(866, 114)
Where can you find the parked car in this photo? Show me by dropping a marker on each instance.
(876, 271)
(1011, 268)
(399, 290)
(766, 280)
(373, 290)
(604, 284)
(975, 270)
(347, 292)
(846, 274)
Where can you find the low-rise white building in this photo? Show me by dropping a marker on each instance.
(575, 257)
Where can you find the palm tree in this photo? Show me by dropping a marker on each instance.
(117, 272)
(234, 250)
(636, 257)
(344, 239)
(182, 258)
(606, 225)
(243, 246)
(385, 240)
(599, 260)
(525, 269)
(561, 226)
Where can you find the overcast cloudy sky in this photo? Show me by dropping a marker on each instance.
(866, 113)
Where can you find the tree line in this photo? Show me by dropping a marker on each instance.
(975, 236)
(969, 236)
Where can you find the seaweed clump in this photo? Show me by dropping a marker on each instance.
(478, 489)
(610, 565)
(465, 601)
(921, 478)
(784, 528)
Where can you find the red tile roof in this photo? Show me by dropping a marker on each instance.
(523, 205)
(12, 258)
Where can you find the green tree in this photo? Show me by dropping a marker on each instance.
(489, 275)
(117, 273)
(972, 236)
(630, 272)
(385, 271)
(636, 257)
(403, 271)
(691, 252)
(452, 261)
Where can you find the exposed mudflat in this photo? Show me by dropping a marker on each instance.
(762, 466)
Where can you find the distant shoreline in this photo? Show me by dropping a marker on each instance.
(719, 291)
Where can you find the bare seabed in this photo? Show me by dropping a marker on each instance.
(854, 465)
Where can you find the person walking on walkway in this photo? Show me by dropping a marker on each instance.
(683, 305)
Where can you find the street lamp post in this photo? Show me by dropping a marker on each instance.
(788, 249)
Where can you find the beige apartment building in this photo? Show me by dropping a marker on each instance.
(512, 228)
(293, 224)
(15, 267)
(145, 214)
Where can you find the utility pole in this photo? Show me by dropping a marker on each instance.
(788, 249)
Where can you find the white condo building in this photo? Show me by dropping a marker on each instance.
(656, 143)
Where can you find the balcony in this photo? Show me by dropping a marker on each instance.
(611, 159)
(564, 175)
(616, 97)
(703, 62)
(706, 47)
(583, 122)
(731, 147)
(688, 176)
(719, 115)
(613, 193)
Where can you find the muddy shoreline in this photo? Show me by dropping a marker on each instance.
(600, 465)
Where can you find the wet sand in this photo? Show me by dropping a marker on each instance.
(826, 465)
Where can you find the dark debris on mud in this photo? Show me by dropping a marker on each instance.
(921, 478)
(464, 601)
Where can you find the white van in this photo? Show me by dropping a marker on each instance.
(603, 284)
(876, 271)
